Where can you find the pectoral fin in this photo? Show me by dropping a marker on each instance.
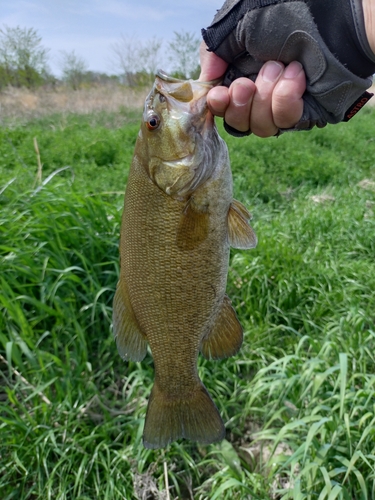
(193, 227)
(131, 343)
(225, 338)
(241, 234)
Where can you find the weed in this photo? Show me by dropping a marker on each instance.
(299, 398)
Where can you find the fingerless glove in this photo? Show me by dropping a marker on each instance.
(326, 36)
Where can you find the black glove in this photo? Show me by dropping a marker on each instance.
(326, 36)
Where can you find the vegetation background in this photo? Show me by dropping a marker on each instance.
(298, 400)
(24, 61)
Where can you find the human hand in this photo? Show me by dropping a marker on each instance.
(337, 73)
(274, 101)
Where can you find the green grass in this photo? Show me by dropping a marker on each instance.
(298, 400)
(97, 149)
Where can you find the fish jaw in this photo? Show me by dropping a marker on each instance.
(177, 134)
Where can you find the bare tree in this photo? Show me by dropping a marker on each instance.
(23, 59)
(137, 60)
(184, 54)
(74, 69)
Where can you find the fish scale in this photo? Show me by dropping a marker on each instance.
(161, 258)
(178, 223)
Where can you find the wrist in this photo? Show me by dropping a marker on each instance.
(369, 18)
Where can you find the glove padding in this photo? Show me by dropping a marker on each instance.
(247, 33)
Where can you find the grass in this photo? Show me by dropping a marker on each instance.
(22, 105)
(298, 400)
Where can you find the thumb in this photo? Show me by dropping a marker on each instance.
(212, 66)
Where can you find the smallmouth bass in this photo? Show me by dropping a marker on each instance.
(178, 224)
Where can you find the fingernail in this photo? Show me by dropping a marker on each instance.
(271, 71)
(292, 70)
(241, 94)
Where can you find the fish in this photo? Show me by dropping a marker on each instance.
(178, 223)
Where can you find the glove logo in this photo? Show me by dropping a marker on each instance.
(357, 106)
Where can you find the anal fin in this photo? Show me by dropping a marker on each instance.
(241, 234)
(131, 343)
(226, 336)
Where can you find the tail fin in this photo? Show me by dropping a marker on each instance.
(196, 418)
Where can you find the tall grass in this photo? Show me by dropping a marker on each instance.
(298, 400)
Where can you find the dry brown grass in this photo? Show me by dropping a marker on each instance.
(26, 104)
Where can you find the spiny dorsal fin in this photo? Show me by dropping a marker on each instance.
(131, 343)
(241, 234)
(225, 338)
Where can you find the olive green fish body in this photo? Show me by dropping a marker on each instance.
(175, 240)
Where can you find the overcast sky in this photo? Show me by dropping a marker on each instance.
(89, 27)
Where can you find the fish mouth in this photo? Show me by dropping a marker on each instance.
(180, 167)
(167, 78)
(184, 90)
(171, 79)
(189, 91)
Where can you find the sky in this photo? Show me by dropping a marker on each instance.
(91, 27)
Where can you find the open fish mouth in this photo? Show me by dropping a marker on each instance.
(167, 78)
(181, 144)
(189, 91)
(171, 79)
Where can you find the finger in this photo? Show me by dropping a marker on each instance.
(287, 102)
(212, 66)
(218, 100)
(241, 93)
(261, 120)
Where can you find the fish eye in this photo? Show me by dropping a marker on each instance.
(153, 122)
